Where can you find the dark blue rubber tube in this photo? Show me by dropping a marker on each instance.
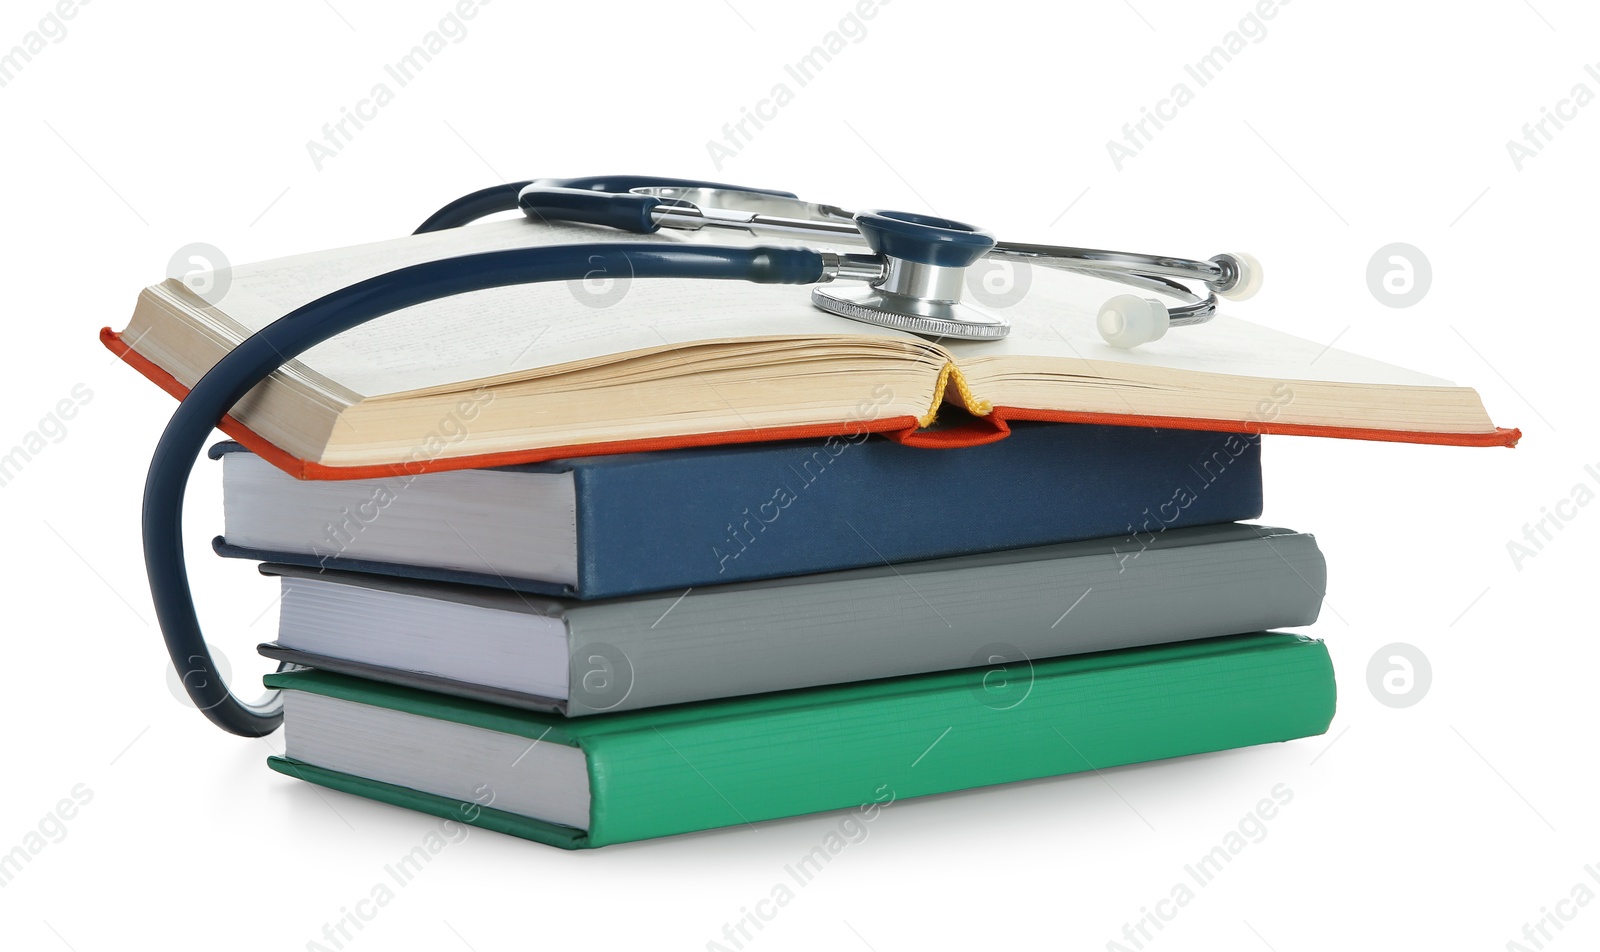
(291, 335)
(621, 210)
(470, 208)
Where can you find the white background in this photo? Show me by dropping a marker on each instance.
(1448, 824)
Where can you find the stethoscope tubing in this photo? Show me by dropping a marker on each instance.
(260, 354)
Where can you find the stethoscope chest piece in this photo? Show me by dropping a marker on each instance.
(925, 261)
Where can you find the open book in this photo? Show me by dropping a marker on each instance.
(542, 371)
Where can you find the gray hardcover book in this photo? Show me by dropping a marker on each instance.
(1000, 609)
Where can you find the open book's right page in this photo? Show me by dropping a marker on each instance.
(1224, 369)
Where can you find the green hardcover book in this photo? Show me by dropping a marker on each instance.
(633, 775)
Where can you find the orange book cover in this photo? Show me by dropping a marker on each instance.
(984, 428)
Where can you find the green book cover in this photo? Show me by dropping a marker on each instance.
(743, 760)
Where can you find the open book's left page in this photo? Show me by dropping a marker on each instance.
(502, 331)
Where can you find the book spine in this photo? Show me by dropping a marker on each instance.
(867, 753)
(460, 811)
(689, 520)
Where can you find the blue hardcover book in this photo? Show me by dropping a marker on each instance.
(604, 526)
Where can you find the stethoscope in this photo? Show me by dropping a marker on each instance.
(917, 269)
(914, 277)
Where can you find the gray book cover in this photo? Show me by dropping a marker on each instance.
(999, 610)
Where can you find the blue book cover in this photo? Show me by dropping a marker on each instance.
(677, 519)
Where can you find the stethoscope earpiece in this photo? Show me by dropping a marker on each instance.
(1245, 275)
(1129, 320)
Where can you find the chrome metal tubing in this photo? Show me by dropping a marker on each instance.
(1093, 259)
(1146, 272)
(851, 267)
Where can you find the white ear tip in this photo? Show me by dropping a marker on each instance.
(1129, 320)
(1250, 276)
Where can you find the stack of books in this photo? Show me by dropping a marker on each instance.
(627, 646)
(562, 595)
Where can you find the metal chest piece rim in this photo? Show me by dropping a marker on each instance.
(925, 268)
